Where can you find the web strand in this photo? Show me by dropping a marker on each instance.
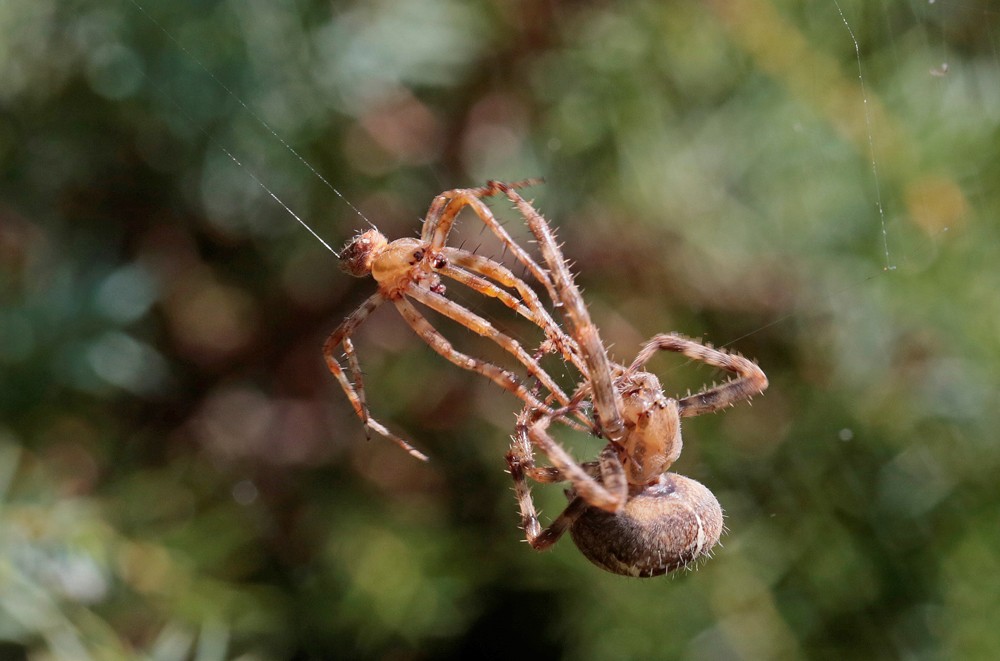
(888, 266)
(260, 120)
(215, 143)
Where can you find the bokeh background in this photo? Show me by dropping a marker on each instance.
(180, 477)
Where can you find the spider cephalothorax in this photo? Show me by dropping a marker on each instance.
(395, 266)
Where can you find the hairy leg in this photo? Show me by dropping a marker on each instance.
(607, 400)
(355, 391)
(750, 380)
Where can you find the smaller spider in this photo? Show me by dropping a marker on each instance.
(412, 268)
(627, 514)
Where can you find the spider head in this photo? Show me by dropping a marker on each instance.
(358, 254)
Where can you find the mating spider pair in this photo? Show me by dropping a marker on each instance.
(626, 513)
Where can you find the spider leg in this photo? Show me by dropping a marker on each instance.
(503, 378)
(608, 489)
(555, 338)
(494, 187)
(445, 209)
(359, 384)
(481, 326)
(434, 213)
(380, 428)
(341, 335)
(521, 453)
(607, 399)
(750, 379)
(521, 465)
(355, 392)
(539, 316)
(520, 462)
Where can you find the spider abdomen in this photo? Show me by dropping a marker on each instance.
(665, 526)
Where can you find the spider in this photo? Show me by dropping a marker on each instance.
(412, 268)
(626, 514)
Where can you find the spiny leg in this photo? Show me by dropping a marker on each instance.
(556, 340)
(484, 286)
(750, 380)
(355, 392)
(436, 212)
(440, 344)
(359, 383)
(338, 337)
(539, 316)
(522, 453)
(551, 534)
(520, 463)
(445, 209)
(520, 460)
(380, 428)
(607, 491)
(484, 328)
(607, 400)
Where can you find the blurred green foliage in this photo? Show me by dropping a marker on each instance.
(180, 478)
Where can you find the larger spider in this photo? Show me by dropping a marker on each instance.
(626, 514)
(411, 268)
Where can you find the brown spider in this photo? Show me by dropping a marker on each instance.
(626, 514)
(411, 268)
